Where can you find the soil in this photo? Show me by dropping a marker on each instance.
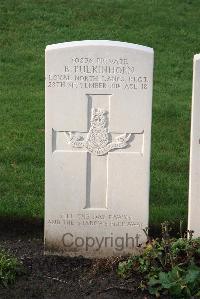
(60, 277)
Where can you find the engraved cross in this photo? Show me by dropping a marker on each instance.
(99, 143)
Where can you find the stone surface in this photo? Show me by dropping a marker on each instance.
(98, 132)
(194, 181)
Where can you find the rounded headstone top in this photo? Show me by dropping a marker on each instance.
(99, 43)
(196, 57)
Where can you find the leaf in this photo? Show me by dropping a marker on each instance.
(153, 281)
(193, 274)
(197, 294)
(164, 280)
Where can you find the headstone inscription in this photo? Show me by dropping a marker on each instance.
(97, 158)
(194, 180)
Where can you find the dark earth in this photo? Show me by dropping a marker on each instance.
(60, 277)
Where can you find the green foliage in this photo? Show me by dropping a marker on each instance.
(10, 267)
(169, 265)
(178, 282)
(125, 267)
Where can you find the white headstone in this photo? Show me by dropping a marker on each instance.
(98, 137)
(194, 181)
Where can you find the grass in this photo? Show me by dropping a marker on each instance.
(171, 27)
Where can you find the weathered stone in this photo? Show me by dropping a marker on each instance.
(98, 132)
(194, 188)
